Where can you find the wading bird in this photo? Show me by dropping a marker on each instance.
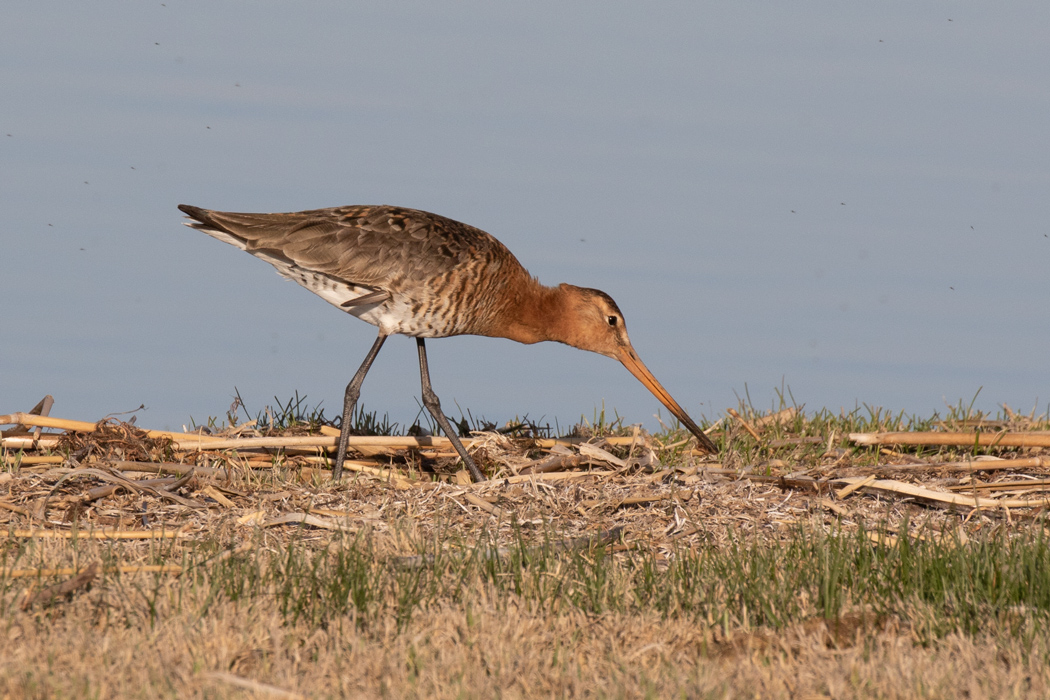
(426, 276)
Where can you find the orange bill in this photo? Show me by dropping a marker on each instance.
(630, 360)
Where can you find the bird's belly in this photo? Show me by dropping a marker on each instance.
(399, 317)
(391, 316)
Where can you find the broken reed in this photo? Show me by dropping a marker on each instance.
(198, 441)
(934, 584)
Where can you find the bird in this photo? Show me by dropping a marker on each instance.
(424, 275)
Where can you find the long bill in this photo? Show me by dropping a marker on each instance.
(630, 360)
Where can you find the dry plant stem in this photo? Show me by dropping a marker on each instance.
(29, 419)
(547, 443)
(981, 465)
(28, 461)
(900, 488)
(15, 509)
(44, 442)
(97, 534)
(1001, 439)
(98, 474)
(438, 442)
(323, 441)
(371, 469)
(834, 507)
(1002, 485)
(315, 441)
(254, 686)
(483, 504)
(555, 476)
(48, 595)
(134, 486)
(168, 468)
(85, 427)
(307, 519)
(90, 495)
(145, 569)
(554, 463)
(645, 500)
(743, 423)
(42, 409)
(597, 454)
(798, 482)
(194, 443)
(103, 491)
(843, 493)
(782, 416)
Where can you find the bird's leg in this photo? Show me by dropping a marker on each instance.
(353, 391)
(430, 400)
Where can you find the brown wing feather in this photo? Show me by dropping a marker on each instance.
(365, 245)
(430, 263)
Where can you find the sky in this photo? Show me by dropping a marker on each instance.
(843, 203)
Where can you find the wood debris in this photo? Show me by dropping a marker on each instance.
(118, 485)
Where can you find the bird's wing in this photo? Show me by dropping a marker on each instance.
(376, 247)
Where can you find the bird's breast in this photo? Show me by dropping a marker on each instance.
(428, 312)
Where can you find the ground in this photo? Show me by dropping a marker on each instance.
(796, 563)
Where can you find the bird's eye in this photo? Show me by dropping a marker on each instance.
(612, 320)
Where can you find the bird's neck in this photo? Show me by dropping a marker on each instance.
(537, 313)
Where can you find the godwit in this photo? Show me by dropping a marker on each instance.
(426, 276)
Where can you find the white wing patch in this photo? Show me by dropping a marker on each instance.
(216, 233)
(335, 292)
(339, 294)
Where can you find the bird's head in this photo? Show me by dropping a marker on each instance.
(591, 320)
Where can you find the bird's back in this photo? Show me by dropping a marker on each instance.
(423, 274)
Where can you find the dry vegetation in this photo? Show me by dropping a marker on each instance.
(807, 559)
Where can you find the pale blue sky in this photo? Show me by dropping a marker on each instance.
(848, 198)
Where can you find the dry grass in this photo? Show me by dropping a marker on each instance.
(402, 581)
(490, 652)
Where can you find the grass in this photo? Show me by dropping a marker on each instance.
(733, 599)
(728, 588)
(959, 587)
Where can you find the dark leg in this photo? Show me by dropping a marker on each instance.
(353, 391)
(430, 400)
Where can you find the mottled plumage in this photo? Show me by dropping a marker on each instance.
(414, 268)
(423, 275)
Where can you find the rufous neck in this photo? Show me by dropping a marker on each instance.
(535, 314)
